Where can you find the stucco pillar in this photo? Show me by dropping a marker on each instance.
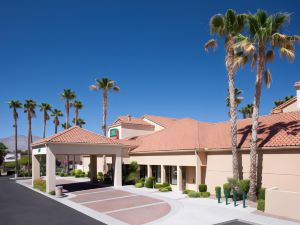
(50, 171)
(35, 167)
(117, 159)
(198, 170)
(163, 173)
(93, 168)
(179, 178)
(149, 171)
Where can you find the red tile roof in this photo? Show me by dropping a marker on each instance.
(130, 120)
(276, 130)
(279, 109)
(76, 135)
(160, 120)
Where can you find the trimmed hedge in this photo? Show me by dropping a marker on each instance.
(186, 191)
(40, 185)
(261, 193)
(161, 185)
(226, 188)
(204, 194)
(261, 205)
(149, 182)
(194, 194)
(203, 188)
(165, 189)
(218, 189)
(244, 186)
(139, 185)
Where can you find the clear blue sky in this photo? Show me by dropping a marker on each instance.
(153, 49)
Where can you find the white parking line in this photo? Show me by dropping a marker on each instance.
(135, 207)
(94, 192)
(101, 200)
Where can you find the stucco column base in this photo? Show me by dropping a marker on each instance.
(50, 171)
(163, 174)
(35, 167)
(93, 168)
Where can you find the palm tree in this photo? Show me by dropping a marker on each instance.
(228, 26)
(66, 126)
(264, 38)
(80, 122)
(45, 107)
(56, 113)
(14, 105)
(237, 97)
(246, 111)
(29, 108)
(106, 85)
(77, 105)
(68, 95)
(279, 102)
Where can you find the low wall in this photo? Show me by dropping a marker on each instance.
(283, 203)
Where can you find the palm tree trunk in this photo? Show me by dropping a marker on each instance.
(76, 117)
(255, 116)
(29, 141)
(233, 117)
(67, 113)
(44, 128)
(16, 147)
(104, 113)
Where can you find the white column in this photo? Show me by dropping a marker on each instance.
(179, 178)
(163, 173)
(198, 171)
(35, 167)
(93, 168)
(149, 171)
(50, 171)
(118, 170)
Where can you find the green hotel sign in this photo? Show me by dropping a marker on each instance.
(113, 132)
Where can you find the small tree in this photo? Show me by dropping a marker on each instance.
(3, 152)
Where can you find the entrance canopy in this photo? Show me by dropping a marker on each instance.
(76, 141)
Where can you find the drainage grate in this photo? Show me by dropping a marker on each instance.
(235, 222)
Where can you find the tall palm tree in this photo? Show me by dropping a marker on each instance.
(246, 111)
(56, 113)
(237, 97)
(14, 105)
(45, 107)
(66, 126)
(228, 26)
(106, 85)
(29, 108)
(280, 101)
(77, 105)
(264, 38)
(80, 122)
(68, 95)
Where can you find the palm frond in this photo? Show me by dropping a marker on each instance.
(93, 87)
(216, 24)
(253, 62)
(287, 53)
(116, 88)
(278, 20)
(212, 43)
(268, 78)
(270, 56)
(244, 44)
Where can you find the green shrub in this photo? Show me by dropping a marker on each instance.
(40, 184)
(82, 175)
(62, 174)
(52, 193)
(226, 188)
(234, 183)
(73, 173)
(244, 186)
(142, 180)
(161, 185)
(261, 193)
(261, 205)
(186, 191)
(100, 174)
(217, 190)
(139, 185)
(194, 194)
(77, 175)
(149, 182)
(204, 194)
(202, 187)
(165, 189)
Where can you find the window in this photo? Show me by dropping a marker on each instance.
(171, 174)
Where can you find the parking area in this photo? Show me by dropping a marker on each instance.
(122, 205)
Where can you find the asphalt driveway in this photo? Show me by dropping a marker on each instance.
(19, 205)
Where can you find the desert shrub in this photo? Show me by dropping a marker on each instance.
(132, 172)
(52, 193)
(139, 185)
(186, 191)
(82, 175)
(100, 174)
(261, 193)
(161, 185)
(73, 173)
(165, 189)
(149, 182)
(40, 184)
(62, 174)
(234, 183)
(217, 190)
(202, 187)
(204, 194)
(261, 205)
(226, 188)
(194, 194)
(244, 186)
(77, 175)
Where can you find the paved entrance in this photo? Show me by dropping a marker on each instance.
(122, 205)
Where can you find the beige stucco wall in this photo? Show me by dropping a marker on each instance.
(156, 126)
(280, 168)
(131, 131)
(187, 159)
(290, 108)
(277, 201)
